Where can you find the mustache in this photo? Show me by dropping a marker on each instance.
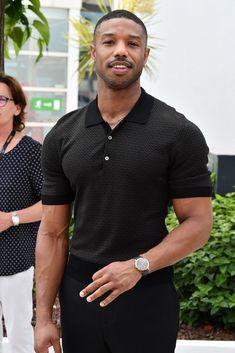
(121, 60)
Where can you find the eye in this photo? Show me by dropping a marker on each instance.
(108, 42)
(133, 44)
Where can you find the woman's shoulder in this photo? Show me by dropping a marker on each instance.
(30, 141)
(31, 144)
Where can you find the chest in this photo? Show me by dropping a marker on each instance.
(128, 152)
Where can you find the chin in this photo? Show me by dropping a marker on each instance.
(119, 82)
(116, 86)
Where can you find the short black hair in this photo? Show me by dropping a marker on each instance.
(121, 14)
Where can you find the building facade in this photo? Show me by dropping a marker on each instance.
(51, 85)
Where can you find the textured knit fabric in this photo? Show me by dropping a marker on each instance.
(123, 179)
(20, 187)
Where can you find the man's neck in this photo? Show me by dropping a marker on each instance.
(114, 105)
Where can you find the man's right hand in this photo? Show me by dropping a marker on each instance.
(46, 336)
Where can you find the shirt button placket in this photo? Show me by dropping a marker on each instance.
(106, 157)
(110, 137)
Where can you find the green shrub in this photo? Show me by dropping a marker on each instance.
(205, 280)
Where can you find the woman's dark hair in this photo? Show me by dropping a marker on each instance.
(19, 99)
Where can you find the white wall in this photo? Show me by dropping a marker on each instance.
(196, 66)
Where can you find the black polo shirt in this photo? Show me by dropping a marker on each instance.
(122, 180)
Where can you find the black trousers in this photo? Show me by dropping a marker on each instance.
(142, 320)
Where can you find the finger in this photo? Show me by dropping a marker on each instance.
(41, 350)
(110, 298)
(99, 274)
(92, 287)
(100, 291)
(57, 346)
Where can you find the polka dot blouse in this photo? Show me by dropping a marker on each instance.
(20, 187)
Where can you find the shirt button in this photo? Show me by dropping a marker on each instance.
(106, 158)
(110, 137)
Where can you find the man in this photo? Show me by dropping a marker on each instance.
(121, 159)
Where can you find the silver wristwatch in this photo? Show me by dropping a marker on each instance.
(142, 265)
(15, 219)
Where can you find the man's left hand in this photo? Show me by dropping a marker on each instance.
(117, 277)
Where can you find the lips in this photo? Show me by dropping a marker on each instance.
(120, 67)
(120, 64)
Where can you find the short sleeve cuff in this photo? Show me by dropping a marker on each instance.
(57, 199)
(196, 186)
(203, 191)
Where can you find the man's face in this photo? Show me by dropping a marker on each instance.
(119, 52)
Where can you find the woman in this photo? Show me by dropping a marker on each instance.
(20, 212)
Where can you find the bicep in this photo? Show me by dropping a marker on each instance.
(195, 207)
(56, 189)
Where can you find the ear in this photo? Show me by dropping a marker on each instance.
(17, 110)
(93, 51)
(146, 55)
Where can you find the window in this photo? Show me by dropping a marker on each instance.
(46, 85)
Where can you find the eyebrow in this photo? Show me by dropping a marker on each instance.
(110, 34)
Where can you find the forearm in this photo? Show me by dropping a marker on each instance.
(195, 216)
(30, 214)
(26, 215)
(179, 243)
(51, 257)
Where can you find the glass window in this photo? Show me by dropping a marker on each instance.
(58, 22)
(47, 99)
(38, 133)
(48, 72)
(45, 107)
(88, 86)
(87, 90)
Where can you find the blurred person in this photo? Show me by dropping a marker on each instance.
(120, 160)
(20, 213)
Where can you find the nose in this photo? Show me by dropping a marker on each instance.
(121, 49)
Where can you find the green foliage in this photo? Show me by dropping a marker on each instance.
(71, 229)
(85, 29)
(206, 279)
(213, 178)
(18, 28)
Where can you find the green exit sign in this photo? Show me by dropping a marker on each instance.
(49, 104)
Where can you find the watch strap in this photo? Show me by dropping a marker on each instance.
(15, 219)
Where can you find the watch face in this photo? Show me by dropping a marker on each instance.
(15, 219)
(142, 264)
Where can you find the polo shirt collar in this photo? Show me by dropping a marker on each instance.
(138, 114)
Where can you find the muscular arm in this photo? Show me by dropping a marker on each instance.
(51, 257)
(195, 216)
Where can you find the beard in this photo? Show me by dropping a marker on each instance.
(119, 82)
